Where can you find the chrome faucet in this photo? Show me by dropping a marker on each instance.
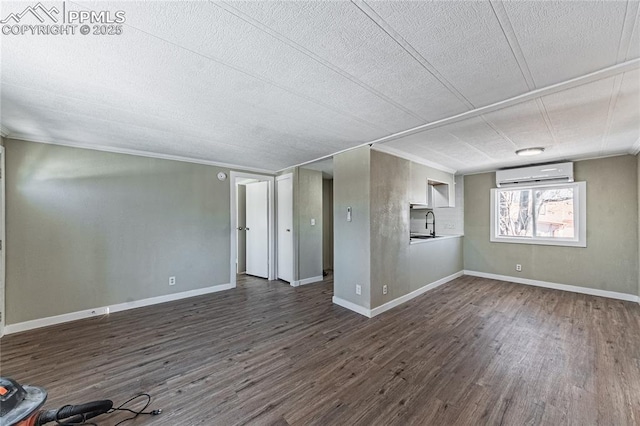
(433, 223)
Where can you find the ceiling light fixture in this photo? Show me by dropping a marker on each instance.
(530, 151)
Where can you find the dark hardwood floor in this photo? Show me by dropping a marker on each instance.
(474, 351)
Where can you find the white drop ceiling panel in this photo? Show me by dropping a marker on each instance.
(566, 39)
(523, 124)
(633, 50)
(579, 115)
(623, 130)
(578, 119)
(272, 84)
(463, 41)
(263, 58)
(340, 36)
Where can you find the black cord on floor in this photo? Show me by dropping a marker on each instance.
(122, 407)
(135, 413)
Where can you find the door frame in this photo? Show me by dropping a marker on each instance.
(293, 234)
(233, 179)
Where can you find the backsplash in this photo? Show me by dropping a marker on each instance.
(449, 221)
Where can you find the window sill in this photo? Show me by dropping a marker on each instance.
(540, 242)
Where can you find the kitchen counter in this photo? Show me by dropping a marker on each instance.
(431, 240)
(434, 259)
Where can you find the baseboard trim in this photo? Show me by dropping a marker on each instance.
(306, 281)
(352, 306)
(370, 313)
(556, 286)
(402, 299)
(105, 310)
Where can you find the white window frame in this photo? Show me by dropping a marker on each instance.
(579, 217)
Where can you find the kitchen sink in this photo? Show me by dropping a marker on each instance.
(424, 237)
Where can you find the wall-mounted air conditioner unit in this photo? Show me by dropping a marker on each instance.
(535, 175)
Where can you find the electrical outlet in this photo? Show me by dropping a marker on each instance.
(313, 222)
(518, 267)
(385, 289)
(172, 280)
(358, 289)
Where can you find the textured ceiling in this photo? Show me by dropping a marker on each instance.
(268, 85)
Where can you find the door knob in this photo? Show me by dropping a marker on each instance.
(288, 230)
(240, 228)
(246, 229)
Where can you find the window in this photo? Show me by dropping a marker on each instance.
(545, 214)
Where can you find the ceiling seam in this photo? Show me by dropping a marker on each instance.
(247, 73)
(498, 131)
(407, 47)
(528, 78)
(626, 32)
(512, 39)
(481, 152)
(542, 108)
(313, 56)
(624, 43)
(613, 100)
(635, 24)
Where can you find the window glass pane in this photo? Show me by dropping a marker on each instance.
(554, 208)
(515, 210)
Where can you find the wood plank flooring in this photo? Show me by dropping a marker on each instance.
(474, 351)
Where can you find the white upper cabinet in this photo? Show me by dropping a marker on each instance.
(431, 187)
(418, 190)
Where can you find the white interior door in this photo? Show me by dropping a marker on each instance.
(257, 229)
(285, 229)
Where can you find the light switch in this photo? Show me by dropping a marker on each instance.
(313, 222)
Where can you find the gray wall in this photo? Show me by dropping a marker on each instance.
(638, 171)
(389, 227)
(434, 260)
(88, 228)
(351, 244)
(308, 205)
(242, 235)
(610, 260)
(394, 262)
(373, 250)
(327, 224)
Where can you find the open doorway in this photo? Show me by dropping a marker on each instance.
(323, 198)
(252, 226)
(327, 229)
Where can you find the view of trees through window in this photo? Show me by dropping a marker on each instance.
(536, 212)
